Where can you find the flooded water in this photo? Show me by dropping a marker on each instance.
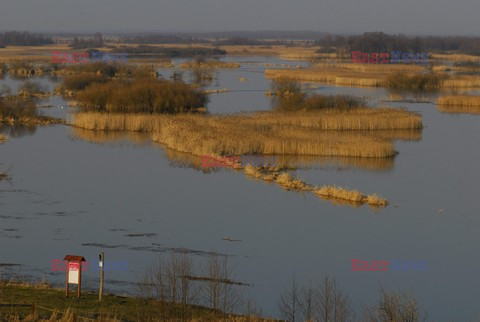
(81, 192)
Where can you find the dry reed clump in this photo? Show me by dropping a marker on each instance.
(460, 100)
(287, 182)
(3, 138)
(350, 195)
(376, 200)
(340, 193)
(253, 171)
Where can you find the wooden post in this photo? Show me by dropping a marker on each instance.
(79, 279)
(102, 259)
(66, 283)
(33, 310)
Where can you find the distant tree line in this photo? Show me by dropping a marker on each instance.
(18, 38)
(170, 52)
(161, 39)
(239, 41)
(382, 42)
(80, 43)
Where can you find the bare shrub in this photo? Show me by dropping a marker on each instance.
(394, 307)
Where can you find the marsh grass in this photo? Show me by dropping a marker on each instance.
(321, 133)
(460, 100)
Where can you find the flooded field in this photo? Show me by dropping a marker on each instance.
(82, 192)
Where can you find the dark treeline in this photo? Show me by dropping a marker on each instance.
(18, 38)
(170, 52)
(161, 39)
(80, 43)
(382, 42)
(238, 41)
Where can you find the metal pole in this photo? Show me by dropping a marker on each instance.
(66, 284)
(102, 259)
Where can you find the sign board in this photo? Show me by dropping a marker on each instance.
(73, 268)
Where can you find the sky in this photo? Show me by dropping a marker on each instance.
(422, 17)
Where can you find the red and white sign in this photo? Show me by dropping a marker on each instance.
(73, 268)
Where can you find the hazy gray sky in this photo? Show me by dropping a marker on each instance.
(392, 16)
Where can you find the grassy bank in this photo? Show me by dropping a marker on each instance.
(112, 308)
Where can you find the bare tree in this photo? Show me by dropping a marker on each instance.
(332, 304)
(185, 270)
(171, 277)
(288, 305)
(214, 268)
(307, 302)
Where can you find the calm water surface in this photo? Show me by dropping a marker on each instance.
(78, 192)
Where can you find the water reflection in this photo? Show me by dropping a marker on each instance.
(470, 110)
(17, 131)
(187, 160)
(110, 137)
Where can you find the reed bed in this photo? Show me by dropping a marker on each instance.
(264, 133)
(350, 195)
(374, 78)
(462, 81)
(215, 135)
(377, 67)
(361, 118)
(337, 76)
(460, 100)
